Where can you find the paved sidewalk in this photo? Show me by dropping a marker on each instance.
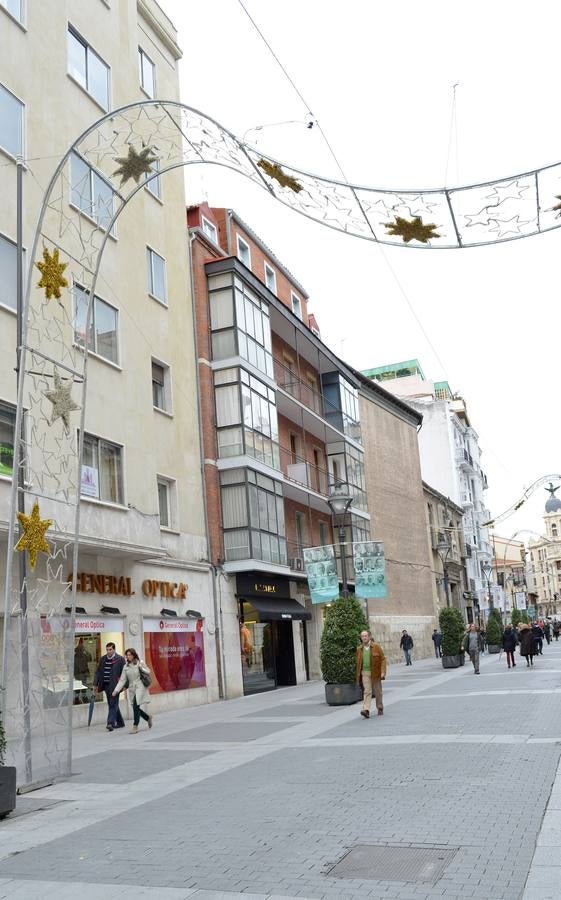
(260, 797)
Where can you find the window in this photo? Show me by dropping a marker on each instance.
(103, 334)
(15, 7)
(88, 69)
(210, 229)
(252, 516)
(296, 305)
(161, 393)
(246, 417)
(270, 278)
(102, 475)
(554, 530)
(147, 73)
(156, 275)
(244, 253)
(240, 324)
(11, 122)
(7, 435)
(8, 272)
(90, 193)
(154, 185)
(166, 502)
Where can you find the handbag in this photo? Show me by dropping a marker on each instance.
(145, 678)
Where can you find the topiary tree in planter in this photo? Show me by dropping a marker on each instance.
(7, 779)
(344, 621)
(452, 629)
(494, 631)
(519, 615)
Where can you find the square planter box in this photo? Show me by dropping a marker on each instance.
(7, 790)
(342, 694)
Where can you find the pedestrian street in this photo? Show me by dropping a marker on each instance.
(453, 793)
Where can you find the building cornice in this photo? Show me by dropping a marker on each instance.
(167, 39)
(442, 498)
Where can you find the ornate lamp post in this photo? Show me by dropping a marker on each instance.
(339, 502)
(443, 549)
(488, 572)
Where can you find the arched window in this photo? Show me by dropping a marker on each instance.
(554, 530)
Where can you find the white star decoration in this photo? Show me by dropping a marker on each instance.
(62, 401)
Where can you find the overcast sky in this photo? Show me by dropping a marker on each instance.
(378, 77)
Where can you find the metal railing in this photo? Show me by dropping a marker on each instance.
(302, 471)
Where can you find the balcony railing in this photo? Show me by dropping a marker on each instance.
(463, 457)
(302, 471)
(467, 499)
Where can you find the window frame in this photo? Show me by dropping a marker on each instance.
(212, 226)
(241, 240)
(151, 180)
(167, 409)
(13, 309)
(71, 30)
(268, 270)
(93, 173)
(23, 10)
(83, 346)
(23, 135)
(172, 510)
(295, 297)
(12, 408)
(121, 503)
(150, 253)
(142, 53)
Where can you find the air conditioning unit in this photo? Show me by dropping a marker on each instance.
(296, 564)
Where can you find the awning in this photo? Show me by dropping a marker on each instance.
(279, 609)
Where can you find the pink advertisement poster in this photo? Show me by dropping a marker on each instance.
(174, 652)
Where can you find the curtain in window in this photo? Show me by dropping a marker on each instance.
(234, 506)
(227, 405)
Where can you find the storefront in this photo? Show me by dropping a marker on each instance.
(267, 615)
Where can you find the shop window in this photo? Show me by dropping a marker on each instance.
(147, 73)
(102, 337)
(209, 229)
(156, 275)
(270, 278)
(8, 272)
(102, 475)
(7, 438)
(14, 7)
(161, 386)
(167, 501)
(88, 69)
(90, 192)
(11, 122)
(89, 647)
(244, 253)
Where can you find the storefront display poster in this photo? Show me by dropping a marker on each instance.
(321, 569)
(174, 653)
(370, 570)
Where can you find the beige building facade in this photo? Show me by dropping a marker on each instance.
(448, 553)
(144, 578)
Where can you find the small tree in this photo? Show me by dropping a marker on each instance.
(494, 630)
(341, 635)
(516, 618)
(452, 628)
(2, 742)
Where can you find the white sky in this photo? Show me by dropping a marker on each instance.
(378, 77)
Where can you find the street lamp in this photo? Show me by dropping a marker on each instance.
(443, 549)
(487, 572)
(339, 501)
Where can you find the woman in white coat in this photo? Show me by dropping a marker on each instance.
(138, 691)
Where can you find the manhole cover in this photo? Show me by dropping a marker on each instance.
(394, 863)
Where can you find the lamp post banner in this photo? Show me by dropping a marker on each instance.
(370, 570)
(321, 569)
(520, 600)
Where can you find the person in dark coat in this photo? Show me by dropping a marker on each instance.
(538, 639)
(106, 679)
(509, 644)
(556, 629)
(437, 641)
(406, 644)
(526, 639)
(547, 632)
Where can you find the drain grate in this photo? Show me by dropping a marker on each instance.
(394, 863)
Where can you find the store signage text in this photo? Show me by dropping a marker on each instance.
(90, 583)
(151, 588)
(265, 588)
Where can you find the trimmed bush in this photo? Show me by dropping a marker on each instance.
(494, 629)
(452, 628)
(519, 615)
(341, 635)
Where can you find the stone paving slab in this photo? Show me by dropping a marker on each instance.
(98, 768)
(227, 731)
(294, 709)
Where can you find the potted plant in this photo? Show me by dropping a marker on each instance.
(519, 616)
(452, 629)
(494, 632)
(7, 779)
(341, 635)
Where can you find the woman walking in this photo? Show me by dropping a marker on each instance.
(509, 644)
(136, 677)
(526, 643)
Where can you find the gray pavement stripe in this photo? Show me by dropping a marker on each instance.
(490, 693)
(30, 890)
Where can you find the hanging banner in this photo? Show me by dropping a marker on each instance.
(370, 570)
(321, 569)
(520, 599)
(483, 599)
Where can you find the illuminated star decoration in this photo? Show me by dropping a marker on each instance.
(557, 207)
(33, 537)
(135, 165)
(52, 278)
(274, 171)
(411, 229)
(62, 401)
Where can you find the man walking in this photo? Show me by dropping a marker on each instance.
(371, 669)
(437, 641)
(406, 644)
(473, 645)
(106, 677)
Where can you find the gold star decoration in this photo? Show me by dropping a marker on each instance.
(557, 207)
(62, 401)
(135, 165)
(273, 170)
(51, 270)
(411, 229)
(33, 537)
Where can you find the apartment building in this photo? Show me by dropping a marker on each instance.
(510, 571)
(543, 568)
(445, 532)
(281, 428)
(144, 578)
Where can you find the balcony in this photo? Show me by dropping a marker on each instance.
(465, 459)
(467, 499)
